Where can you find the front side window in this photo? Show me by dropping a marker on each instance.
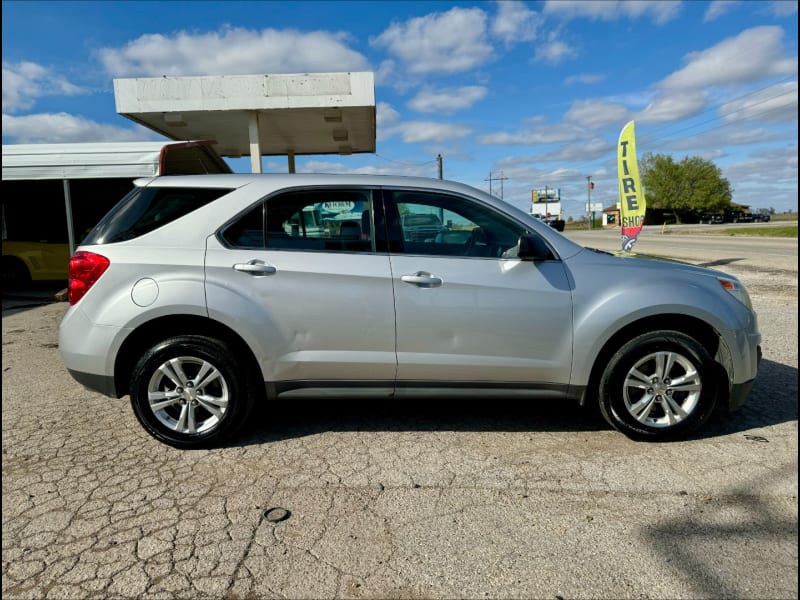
(445, 225)
(324, 219)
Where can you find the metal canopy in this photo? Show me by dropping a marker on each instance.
(109, 160)
(258, 115)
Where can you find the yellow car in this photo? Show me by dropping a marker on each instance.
(24, 262)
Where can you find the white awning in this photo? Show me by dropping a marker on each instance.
(110, 160)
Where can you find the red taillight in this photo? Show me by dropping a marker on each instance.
(85, 268)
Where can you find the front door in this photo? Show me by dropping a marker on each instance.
(467, 310)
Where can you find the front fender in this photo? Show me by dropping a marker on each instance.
(599, 316)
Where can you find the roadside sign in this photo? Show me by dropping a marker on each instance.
(594, 207)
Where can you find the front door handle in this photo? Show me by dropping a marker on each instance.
(422, 279)
(255, 267)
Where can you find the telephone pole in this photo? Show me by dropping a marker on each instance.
(501, 179)
(589, 199)
(439, 165)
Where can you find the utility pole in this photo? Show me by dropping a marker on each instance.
(439, 165)
(589, 199)
(501, 179)
(546, 208)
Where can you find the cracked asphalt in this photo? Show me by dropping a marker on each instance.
(403, 500)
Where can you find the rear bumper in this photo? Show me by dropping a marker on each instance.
(96, 383)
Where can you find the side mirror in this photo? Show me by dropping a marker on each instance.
(532, 247)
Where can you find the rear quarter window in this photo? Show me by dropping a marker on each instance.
(145, 209)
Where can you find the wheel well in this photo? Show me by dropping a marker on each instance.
(150, 333)
(10, 262)
(691, 326)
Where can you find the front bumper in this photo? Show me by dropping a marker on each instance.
(740, 391)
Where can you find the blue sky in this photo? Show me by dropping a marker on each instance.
(533, 92)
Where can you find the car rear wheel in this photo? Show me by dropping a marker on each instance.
(660, 385)
(187, 392)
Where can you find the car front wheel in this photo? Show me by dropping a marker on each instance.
(660, 385)
(187, 392)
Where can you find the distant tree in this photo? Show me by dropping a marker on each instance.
(693, 185)
(771, 210)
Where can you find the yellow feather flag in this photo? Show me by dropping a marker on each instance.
(631, 195)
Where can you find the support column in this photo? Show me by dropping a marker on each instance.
(70, 224)
(255, 145)
(290, 156)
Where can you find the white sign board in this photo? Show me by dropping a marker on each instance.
(594, 207)
(338, 207)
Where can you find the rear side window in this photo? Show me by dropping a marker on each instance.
(321, 219)
(145, 209)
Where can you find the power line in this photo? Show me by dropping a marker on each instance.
(716, 107)
(501, 179)
(410, 164)
(664, 133)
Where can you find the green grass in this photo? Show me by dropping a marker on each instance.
(784, 217)
(789, 231)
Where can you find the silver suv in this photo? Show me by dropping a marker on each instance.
(200, 296)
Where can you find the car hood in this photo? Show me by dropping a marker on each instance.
(651, 263)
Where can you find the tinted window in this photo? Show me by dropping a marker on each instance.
(330, 220)
(445, 225)
(146, 209)
(248, 230)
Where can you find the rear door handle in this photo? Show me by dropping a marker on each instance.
(422, 279)
(256, 268)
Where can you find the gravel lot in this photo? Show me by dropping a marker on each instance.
(398, 501)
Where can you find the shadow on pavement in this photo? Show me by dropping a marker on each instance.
(773, 401)
(281, 421)
(18, 298)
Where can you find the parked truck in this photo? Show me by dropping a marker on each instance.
(546, 205)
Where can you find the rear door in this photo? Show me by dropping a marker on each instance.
(302, 275)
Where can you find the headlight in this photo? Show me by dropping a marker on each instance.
(736, 289)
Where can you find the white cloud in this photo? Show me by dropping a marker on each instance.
(773, 170)
(660, 11)
(25, 82)
(594, 114)
(233, 51)
(584, 79)
(670, 107)
(389, 124)
(447, 100)
(392, 168)
(515, 22)
(385, 72)
(753, 55)
(449, 42)
(386, 119)
(775, 104)
(554, 51)
(544, 134)
(718, 8)
(725, 137)
(56, 128)
(582, 151)
(783, 8)
(414, 132)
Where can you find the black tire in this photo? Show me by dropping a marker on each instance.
(15, 273)
(196, 416)
(637, 393)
